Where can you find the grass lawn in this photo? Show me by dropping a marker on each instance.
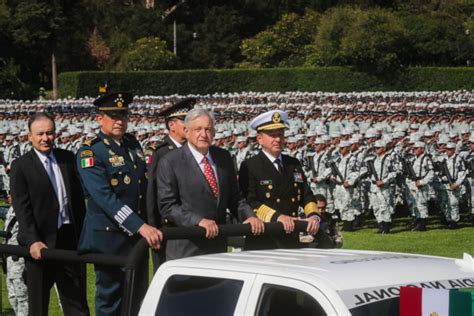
(436, 241)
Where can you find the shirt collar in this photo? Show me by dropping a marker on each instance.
(178, 145)
(198, 156)
(43, 157)
(271, 157)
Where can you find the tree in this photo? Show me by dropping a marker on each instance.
(325, 49)
(436, 38)
(148, 53)
(282, 45)
(376, 42)
(216, 40)
(12, 86)
(98, 48)
(372, 40)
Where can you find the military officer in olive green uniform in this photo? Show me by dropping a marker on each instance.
(275, 186)
(112, 169)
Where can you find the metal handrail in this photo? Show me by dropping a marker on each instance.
(139, 251)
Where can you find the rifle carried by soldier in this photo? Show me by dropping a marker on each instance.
(335, 172)
(470, 165)
(445, 171)
(408, 169)
(372, 171)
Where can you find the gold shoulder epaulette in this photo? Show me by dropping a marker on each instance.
(90, 142)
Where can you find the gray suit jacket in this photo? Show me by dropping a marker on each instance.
(185, 198)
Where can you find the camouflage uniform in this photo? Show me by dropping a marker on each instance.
(382, 198)
(345, 199)
(17, 291)
(321, 175)
(457, 170)
(419, 197)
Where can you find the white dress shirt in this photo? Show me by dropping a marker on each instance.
(60, 188)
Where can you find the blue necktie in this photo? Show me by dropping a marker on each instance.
(51, 174)
(52, 177)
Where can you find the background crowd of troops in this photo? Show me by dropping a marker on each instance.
(371, 152)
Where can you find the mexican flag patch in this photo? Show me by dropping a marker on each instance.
(87, 162)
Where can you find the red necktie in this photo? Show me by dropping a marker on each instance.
(210, 177)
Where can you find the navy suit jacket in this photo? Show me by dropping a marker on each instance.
(185, 198)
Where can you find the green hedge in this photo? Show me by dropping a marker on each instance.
(332, 79)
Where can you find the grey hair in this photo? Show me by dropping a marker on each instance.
(195, 113)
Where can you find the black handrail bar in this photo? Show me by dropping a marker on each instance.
(139, 252)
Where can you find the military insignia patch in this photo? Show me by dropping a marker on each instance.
(276, 118)
(87, 153)
(87, 162)
(126, 180)
(117, 161)
(298, 177)
(106, 141)
(114, 182)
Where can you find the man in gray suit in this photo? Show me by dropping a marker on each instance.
(196, 184)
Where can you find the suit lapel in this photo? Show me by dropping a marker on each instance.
(196, 169)
(287, 176)
(194, 166)
(220, 174)
(270, 166)
(64, 171)
(43, 175)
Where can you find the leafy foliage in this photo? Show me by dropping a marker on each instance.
(282, 44)
(98, 48)
(375, 36)
(148, 53)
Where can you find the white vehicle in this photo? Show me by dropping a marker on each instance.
(297, 282)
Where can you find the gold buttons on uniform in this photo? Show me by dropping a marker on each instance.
(107, 228)
(293, 214)
(278, 200)
(126, 180)
(299, 191)
(295, 184)
(270, 187)
(139, 181)
(140, 196)
(135, 166)
(267, 195)
(293, 200)
(113, 182)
